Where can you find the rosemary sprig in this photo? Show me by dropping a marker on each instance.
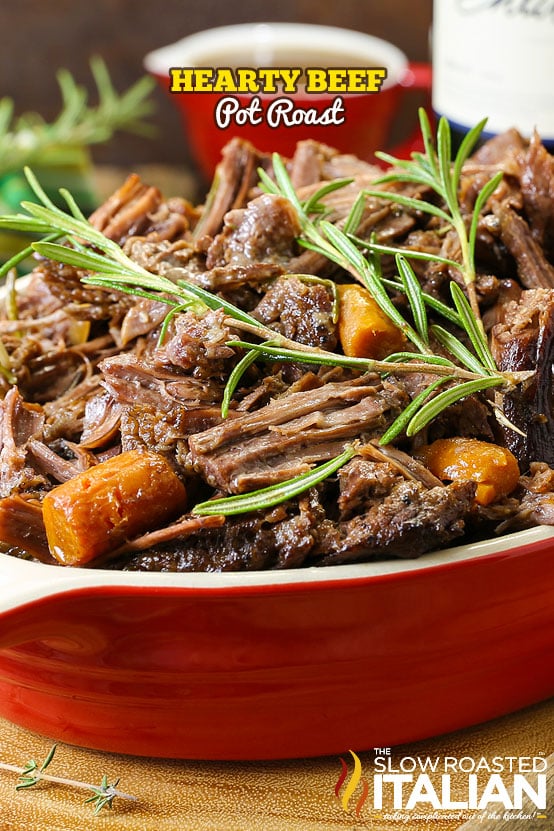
(106, 264)
(32, 773)
(343, 248)
(435, 365)
(274, 494)
(29, 140)
(434, 169)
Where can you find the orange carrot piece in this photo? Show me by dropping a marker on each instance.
(103, 507)
(364, 330)
(458, 459)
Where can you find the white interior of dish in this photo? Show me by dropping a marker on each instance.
(23, 582)
(266, 44)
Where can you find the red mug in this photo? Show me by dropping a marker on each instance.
(351, 122)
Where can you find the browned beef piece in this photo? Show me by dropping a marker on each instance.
(537, 188)
(125, 213)
(525, 342)
(160, 256)
(300, 310)
(265, 231)
(236, 175)
(362, 482)
(394, 518)
(159, 406)
(22, 526)
(534, 270)
(532, 504)
(280, 538)
(144, 427)
(292, 433)
(47, 461)
(19, 423)
(136, 209)
(197, 345)
(131, 379)
(500, 148)
(65, 416)
(406, 523)
(82, 301)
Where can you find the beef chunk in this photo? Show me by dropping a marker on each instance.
(300, 310)
(263, 232)
(408, 522)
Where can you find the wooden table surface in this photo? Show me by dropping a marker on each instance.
(297, 795)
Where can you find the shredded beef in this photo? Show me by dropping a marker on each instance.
(287, 436)
(89, 372)
(19, 423)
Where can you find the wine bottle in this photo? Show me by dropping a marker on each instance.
(494, 59)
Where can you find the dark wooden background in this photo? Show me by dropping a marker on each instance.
(39, 36)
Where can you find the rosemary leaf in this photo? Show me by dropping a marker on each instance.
(482, 197)
(267, 184)
(434, 407)
(444, 148)
(414, 294)
(28, 139)
(89, 261)
(400, 423)
(134, 291)
(284, 182)
(409, 202)
(28, 224)
(274, 494)
(410, 254)
(458, 350)
(355, 216)
(404, 171)
(373, 281)
(472, 327)
(415, 362)
(72, 205)
(56, 219)
(311, 205)
(431, 360)
(22, 255)
(319, 358)
(344, 246)
(234, 379)
(466, 147)
(137, 278)
(430, 155)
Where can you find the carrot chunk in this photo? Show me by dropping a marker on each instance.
(494, 468)
(100, 509)
(364, 330)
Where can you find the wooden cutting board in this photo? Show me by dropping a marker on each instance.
(294, 795)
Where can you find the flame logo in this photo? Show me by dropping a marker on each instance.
(355, 779)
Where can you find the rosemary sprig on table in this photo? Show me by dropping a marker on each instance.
(28, 139)
(32, 774)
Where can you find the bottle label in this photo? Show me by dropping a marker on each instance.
(495, 59)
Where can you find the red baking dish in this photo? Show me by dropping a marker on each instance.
(268, 665)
